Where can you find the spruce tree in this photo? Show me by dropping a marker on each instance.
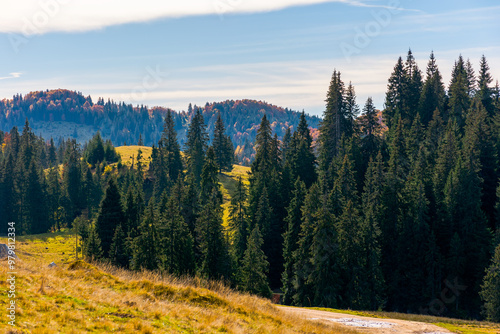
(413, 238)
(371, 127)
(350, 257)
(433, 94)
(35, 218)
(490, 292)
(458, 92)
(334, 123)
(210, 177)
(302, 256)
(371, 233)
(255, 266)
(471, 79)
(263, 144)
(223, 147)
(92, 246)
(214, 260)
(119, 252)
(323, 266)
(196, 146)
(413, 88)
(238, 220)
(9, 193)
(72, 181)
(484, 93)
(394, 98)
(291, 238)
(170, 149)
(176, 252)
(109, 217)
(301, 155)
(145, 247)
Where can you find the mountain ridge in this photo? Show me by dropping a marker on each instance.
(65, 113)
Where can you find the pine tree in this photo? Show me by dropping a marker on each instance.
(291, 238)
(196, 146)
(323, 267)
(371, 127)
(485, 92)
(433, 94)
(301, 155)
(350, 255)
(395, 177)
(223, 147)
(238, 220)
(351, 111)
(263, 144)
(9, 192)
(72, 181)
(176, 242)
(302, 256)
(334, 122)
(413, 88)
(458, 92)
(109, 217)
(255, 266)
(170, 149)
(497, 225)
(490, 292)
(190, 204)
(285, 144)
(395, 99)
(92, 246)
(52, 154)
(145, 247)
(214, 261)
(344, 188)
(35, 218)
(94, 153)
(463, 204)
(119, 252)
(413, 236)
(210, 177)
(471, 79)
(371, 233)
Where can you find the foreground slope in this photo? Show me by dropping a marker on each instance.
(77, 297)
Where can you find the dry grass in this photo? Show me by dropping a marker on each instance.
(229, 182)
(79, 297)
(129, 153)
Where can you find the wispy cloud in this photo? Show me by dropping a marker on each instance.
(32, 17)
(300, 84)
(12, 76)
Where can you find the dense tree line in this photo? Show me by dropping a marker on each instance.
(369, 217)
(126, 124)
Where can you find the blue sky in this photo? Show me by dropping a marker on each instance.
(282, 51)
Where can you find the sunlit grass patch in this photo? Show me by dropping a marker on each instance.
(129, 154)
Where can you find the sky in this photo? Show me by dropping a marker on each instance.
(172, 53)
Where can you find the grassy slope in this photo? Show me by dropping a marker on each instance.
(229, 182)
(78, 297)
(127, 152)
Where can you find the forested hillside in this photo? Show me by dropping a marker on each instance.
(66, 114)
(401, 219)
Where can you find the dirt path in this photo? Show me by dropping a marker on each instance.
(366, 324)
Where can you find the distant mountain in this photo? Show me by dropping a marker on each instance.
(64, 113)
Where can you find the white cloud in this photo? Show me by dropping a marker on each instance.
(31, 17)
(11, 76)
